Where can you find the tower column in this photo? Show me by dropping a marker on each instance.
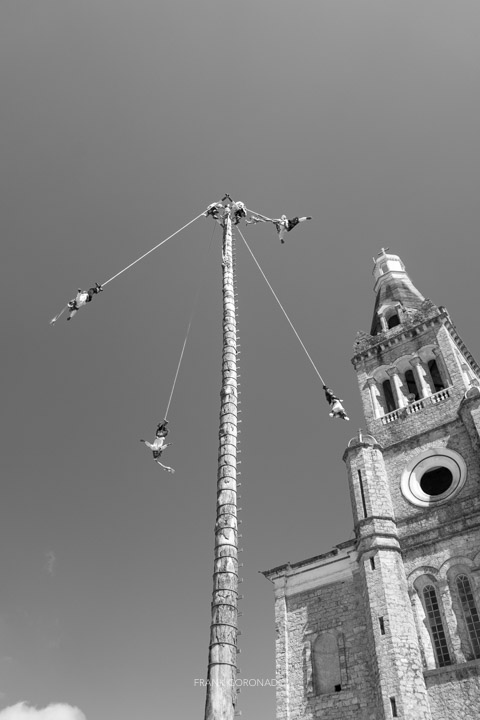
(400, 398)
(393, 641)
(383, 323)
(372, 386)
(282, 651)
(419, 373)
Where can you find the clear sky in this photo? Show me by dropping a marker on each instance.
(120, 122)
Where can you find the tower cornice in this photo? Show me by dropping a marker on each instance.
(369, 345)
(428, 316)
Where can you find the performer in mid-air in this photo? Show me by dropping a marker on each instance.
(284, 225)
(162, 430)
(82, 298)
(337, 409)
(157, 447)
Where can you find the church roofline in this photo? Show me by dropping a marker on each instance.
(316, 559)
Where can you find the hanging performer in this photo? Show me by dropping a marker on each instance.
(162, 430)
(284, 225)
(157, 448)
(82, 298)
(337, 409)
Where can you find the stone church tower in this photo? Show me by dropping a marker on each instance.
(388, 625)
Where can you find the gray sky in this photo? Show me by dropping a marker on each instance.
(119, 123)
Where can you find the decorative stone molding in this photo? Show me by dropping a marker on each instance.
(308, 666)
(426, 461)
(400, 398)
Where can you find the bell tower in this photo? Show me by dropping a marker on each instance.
(413, 362)
(387, 625)
(414, 483)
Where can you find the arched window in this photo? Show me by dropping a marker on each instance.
(326, 663)
(436, 626)
(411, 384)
(470, 612)
(393, 321)
(388, 395)
(437, 381)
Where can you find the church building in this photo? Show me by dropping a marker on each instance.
(387, 625)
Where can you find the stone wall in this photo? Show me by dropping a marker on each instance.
(338, 607)
(455, 692)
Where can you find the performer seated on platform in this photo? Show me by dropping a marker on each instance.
(239, 211)
(214, 211)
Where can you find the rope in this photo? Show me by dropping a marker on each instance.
(192, 314)
(178, 368)
(264, 217)
(281, 306)
(54, 319)
(150, 251)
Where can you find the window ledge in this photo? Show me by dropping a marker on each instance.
(458, 671)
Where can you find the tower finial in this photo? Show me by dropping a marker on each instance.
(383, 251)
(393, 289)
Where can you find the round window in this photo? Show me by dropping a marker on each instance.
(433, 477)
(436, 481)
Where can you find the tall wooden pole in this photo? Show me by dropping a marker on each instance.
(222, 656)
